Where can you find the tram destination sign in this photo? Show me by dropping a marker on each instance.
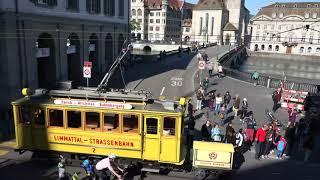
(96, 104)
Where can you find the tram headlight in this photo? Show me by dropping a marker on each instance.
(26, 92)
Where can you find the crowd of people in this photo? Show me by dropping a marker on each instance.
(282, 140)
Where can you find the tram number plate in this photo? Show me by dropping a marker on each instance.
(176, 82)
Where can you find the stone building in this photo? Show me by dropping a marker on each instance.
(289, 28)
(220, 21)
(187, 22)
(43, 42)
(158, 20)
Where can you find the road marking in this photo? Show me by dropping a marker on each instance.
(162, 91)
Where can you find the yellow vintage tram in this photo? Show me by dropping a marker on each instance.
(125, 123)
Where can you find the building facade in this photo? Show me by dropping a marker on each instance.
(220, 21)
(157, 20)
(289, 28)
(44, 42)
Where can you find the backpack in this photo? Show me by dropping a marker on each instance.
(280, 145)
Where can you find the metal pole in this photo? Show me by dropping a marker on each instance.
(200, 76)
(87, 82)
(181, 27)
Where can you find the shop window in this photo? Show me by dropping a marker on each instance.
(92, 121)
(130, 123)
(169, 126)
(55, 118)
(25, 116)
(152, 126)
(74, 119)
(111, 122)
(39, 117)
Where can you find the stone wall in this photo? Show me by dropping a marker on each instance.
(284, 56)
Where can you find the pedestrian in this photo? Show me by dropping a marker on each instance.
(240, 137)
(200, 97)
(244, 108)
(88, 166)
(199, 56)
(160, 55)
(292, 116)
(290, 138)
(236, 105)
(218, 103)
(249, 126)
(260, 141)
(164, 54)
(190, 108)
(276, 97)
(222, 114)
(216, 133)
(281, 145)
(220, 70)
(301, 133)
(107, 167)
(230, 134)
(211, 100)
(206, 131)
(205, 84)
(62, 168)
(227, 100)
(210, 68)
(269, 141)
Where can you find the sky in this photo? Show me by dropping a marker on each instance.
(254, 5)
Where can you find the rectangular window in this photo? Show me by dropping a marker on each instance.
(187, 29)
(212, 25)
(151, 14)
(152, 125)
(151, 28)
(139, 20)
(311, 39)
(279, 27)
(121, 8)
(158, 14)
(265, 27)
(169, 126)
(157, 20)
(163, 14)
(257, 37)
(55, 118)
(39, 117)
(73, 5)
(45, 2)
(109, 7)
(157, 28)
(130, 123)
(93, 6)
(92, 121)
(303, 39)
(25, 116)
(111, 122)
(74, 119)
(151, 20)
(258, 26)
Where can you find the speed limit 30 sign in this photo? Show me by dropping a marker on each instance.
(87, 72)
(202, 65)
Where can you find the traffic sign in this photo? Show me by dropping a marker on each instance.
(202, 65)
(86, 72)
(88, 64)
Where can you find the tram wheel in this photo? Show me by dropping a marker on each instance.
(200, 174)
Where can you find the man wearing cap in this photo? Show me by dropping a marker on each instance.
(108, 164)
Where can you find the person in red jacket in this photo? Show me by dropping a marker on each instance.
(260, 141)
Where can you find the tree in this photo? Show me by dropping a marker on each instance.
(133, 25)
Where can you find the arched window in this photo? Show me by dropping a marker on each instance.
(309, 49)
(133, 12)
(201, 19)
(207, 22)
(277, 48)
(318, 50)
(301, 49)
(270, 48)
(256, 47)
(139, 12)
(262, 47)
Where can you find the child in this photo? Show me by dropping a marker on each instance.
(281, 145)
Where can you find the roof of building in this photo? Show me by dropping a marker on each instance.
(210, 5)
(157, 3)
(292, 8)
(230, 27)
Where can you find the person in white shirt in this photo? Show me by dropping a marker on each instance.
(218, 103)
(220, 70)
(108, 164)
(199, 57)
(240, 137)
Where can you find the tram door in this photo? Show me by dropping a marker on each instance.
(151, 147)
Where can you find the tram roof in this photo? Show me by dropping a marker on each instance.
(138, 100)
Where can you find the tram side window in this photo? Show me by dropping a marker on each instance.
(74, 119)
(169, 126)
(130, 123)
(152, 126)
(39, 117)
(92, 121)
(55, 118)
(111, 122)
(25, 116)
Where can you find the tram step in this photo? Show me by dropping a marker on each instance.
(150, 170)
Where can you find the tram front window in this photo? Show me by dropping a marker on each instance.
(74, 119)
(55, 118)
(39, 118)
(25, 116)
(169, 126)
(130, 123)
